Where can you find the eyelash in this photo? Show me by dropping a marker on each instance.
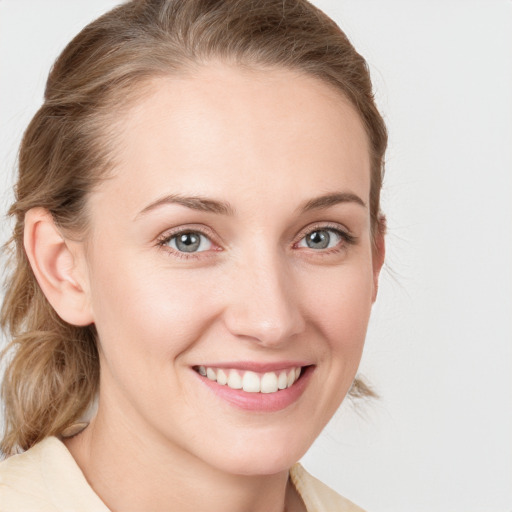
(164, 239)
(346, 240)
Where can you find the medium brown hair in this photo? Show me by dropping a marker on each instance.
(52, 371)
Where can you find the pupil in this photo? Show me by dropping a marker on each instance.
(318, 240)
(188, 242)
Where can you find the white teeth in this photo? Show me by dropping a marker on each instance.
(282, 381)
(269, 383)
(222, 378)
(234, 380)
(252, 382)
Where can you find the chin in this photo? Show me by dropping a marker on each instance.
(260, 456)
(252, 465)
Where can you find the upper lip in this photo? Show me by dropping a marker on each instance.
(257, 366)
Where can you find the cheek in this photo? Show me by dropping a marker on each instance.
(147, 314)
(340, 303)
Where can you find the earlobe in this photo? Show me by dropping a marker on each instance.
(54, 264)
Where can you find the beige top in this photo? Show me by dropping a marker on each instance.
(46, 478)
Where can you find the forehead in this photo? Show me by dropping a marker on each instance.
(224, 130)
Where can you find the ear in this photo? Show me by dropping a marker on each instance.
(379, 253)
(54, 261)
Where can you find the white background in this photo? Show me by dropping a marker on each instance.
(439, 349)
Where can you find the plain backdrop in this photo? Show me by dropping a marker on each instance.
(439, 348)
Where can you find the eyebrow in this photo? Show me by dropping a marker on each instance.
(202, 204)
(328, 200)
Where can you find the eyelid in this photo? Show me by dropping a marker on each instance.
(169, 234)
(345, 234)
(161, 241)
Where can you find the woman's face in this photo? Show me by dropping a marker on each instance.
(234, 241)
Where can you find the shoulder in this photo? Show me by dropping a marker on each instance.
(22, 485)
(317, 496)
(45, 478)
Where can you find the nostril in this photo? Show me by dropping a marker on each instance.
(264, 332)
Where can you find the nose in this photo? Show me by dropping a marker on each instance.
(263, 303)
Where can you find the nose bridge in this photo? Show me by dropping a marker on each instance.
(263, 305)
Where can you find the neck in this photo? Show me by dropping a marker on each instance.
(134, 474)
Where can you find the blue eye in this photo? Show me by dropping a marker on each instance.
(321, 239)
(190, 241)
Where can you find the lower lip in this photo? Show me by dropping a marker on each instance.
(261, 402)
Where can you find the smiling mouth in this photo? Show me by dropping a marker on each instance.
(252, 382)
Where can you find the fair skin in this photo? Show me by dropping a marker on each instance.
(265, 175)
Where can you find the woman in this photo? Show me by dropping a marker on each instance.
(198, 242)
